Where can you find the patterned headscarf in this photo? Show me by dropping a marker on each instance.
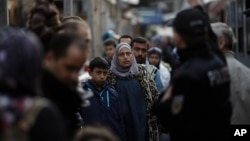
(120, 71)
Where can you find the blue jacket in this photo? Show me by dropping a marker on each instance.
(104, 109)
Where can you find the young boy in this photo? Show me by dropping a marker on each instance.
(109, 46)
(104, 106)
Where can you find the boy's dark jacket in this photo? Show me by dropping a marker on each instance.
(102, 113)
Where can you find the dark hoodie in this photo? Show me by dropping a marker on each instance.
(20, 68)
(104, 109)
(66, 99)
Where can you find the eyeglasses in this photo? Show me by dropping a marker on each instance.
(128, 54)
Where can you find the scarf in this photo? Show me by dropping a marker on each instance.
(120, 71)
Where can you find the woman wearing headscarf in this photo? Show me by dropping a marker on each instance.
(137, 92)
(154, 58)
(24, 116)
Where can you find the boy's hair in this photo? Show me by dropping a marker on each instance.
(98, 62)
(125, 36)
(140, 40)
(109, 42)
(60, 43)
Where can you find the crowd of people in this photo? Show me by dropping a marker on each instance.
(189, 86)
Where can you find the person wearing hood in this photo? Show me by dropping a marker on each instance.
(196, 105)
(24, 114)
(137, 93)
(154, 58)
(104, 106)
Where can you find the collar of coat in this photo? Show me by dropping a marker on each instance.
(67, 99)
(229, 53)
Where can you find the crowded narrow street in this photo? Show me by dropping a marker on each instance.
(124, 70)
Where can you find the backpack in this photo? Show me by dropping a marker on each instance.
(20, 130)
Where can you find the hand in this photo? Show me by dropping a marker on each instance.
(167, 94)
(194, 3)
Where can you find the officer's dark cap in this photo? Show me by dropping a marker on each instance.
(191, 23)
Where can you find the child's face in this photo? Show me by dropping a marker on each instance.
(99, 76)
(154, 59)
(110, 51)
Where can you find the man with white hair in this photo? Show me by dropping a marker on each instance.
(239, 75)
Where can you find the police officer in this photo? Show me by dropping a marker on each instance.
(196, 106)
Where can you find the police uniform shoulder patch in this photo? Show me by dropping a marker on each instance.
(177, 104)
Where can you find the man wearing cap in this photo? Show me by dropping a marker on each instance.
(196, 106)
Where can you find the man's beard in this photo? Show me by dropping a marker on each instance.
(140, 60)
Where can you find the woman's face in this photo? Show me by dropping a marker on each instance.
(125, 58)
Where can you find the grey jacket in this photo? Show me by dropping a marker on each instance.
(240, 89)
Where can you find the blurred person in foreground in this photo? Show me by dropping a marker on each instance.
(77, 25)
(24, 115)
(137, 93)
(212, 10)
(63, 61)
(198, 99)
(239, 74)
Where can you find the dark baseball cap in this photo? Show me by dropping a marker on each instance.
(191, 23)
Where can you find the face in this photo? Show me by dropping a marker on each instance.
(140, 52)
(99, 76)
(154, 59)
(66, 68)
(86, 34)
(179, 41)
(125, 58)
(221, 43)
(126, 40)
(110, 51)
